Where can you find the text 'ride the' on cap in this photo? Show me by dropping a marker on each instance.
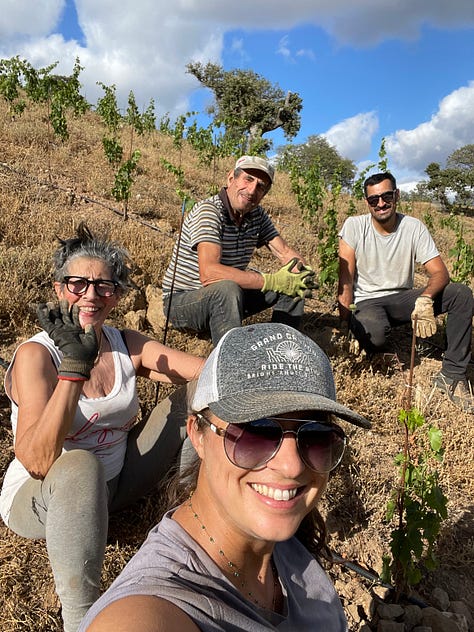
(268, 369)
(256, 162)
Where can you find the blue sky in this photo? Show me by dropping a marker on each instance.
(399, 69)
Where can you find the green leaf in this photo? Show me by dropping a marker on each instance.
(435, 438)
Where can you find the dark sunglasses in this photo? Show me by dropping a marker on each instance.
(250, 445)
(79, 285)
(387, 197)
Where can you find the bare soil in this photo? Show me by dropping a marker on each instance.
(46, 188)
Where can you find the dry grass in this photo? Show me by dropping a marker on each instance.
(46, 189)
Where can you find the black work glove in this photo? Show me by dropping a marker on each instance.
(79, 346)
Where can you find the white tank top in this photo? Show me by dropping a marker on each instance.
(100, 424)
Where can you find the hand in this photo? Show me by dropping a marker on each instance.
(425, 324)
(310, 280)
(348, 337)
(297, 284)
(344, 328)
(79, 346)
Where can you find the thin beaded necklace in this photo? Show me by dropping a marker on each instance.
(234, 570)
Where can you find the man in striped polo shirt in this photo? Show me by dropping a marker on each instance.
(213, 288)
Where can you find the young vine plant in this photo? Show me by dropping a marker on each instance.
(418, 506)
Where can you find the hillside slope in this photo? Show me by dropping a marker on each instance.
(46, 189)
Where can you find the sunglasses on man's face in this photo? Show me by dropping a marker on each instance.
(387, 197)
(320, 444)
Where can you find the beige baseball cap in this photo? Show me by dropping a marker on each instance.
(256, 162)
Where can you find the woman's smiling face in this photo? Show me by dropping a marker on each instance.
(93, 309)
(265, 504)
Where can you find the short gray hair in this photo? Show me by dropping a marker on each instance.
(87, 245)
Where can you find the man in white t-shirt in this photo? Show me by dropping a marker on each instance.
(377, 256)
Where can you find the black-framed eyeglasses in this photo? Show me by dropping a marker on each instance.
(387, 197)
(320, 444)
(79, 285)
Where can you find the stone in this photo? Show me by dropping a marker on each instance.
(135, 320)
(460, 607)
(353, 611)
(381, 592)
(422, 628)
(438, 621)
(132, 301)
(412, 616)
(154, 312)
(439, 599)
(384, 625)
(368, 604)
(460, 620)
(390, 611)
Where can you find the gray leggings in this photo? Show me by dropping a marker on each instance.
(70, 506)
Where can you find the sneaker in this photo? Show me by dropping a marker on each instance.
(459, 391)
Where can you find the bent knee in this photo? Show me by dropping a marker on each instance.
(226, 289)
(466, 293)
(77, 465)
(463, 294)
(372, 332)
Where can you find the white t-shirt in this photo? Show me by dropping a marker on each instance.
(385, 264)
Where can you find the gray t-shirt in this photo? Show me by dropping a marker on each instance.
(385, 264)
(171, 565)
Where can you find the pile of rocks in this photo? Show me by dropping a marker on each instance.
(441, 615)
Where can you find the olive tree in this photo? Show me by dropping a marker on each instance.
(454, 185)
(317, 150)
(248, 105)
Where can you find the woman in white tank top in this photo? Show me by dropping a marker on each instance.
(78, 451)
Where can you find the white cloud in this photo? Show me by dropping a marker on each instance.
(306, 52)
(353, 137)
(432, 141)
(283, 48)
(237, 46)
(22, 18)
(144, 46)
(285, 51)
(350, 22)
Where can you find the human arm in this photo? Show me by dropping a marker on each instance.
(144, 613)
(282, 251)
(159, 362)
(212, 270)
(46, 408)
(347, 268)
(422, 316)
(438, 277)
(47, 398)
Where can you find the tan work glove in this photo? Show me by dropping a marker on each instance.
(425, 319)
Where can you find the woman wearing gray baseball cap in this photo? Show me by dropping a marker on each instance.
(238, 550)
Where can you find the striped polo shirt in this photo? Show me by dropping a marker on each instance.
(211, 221)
